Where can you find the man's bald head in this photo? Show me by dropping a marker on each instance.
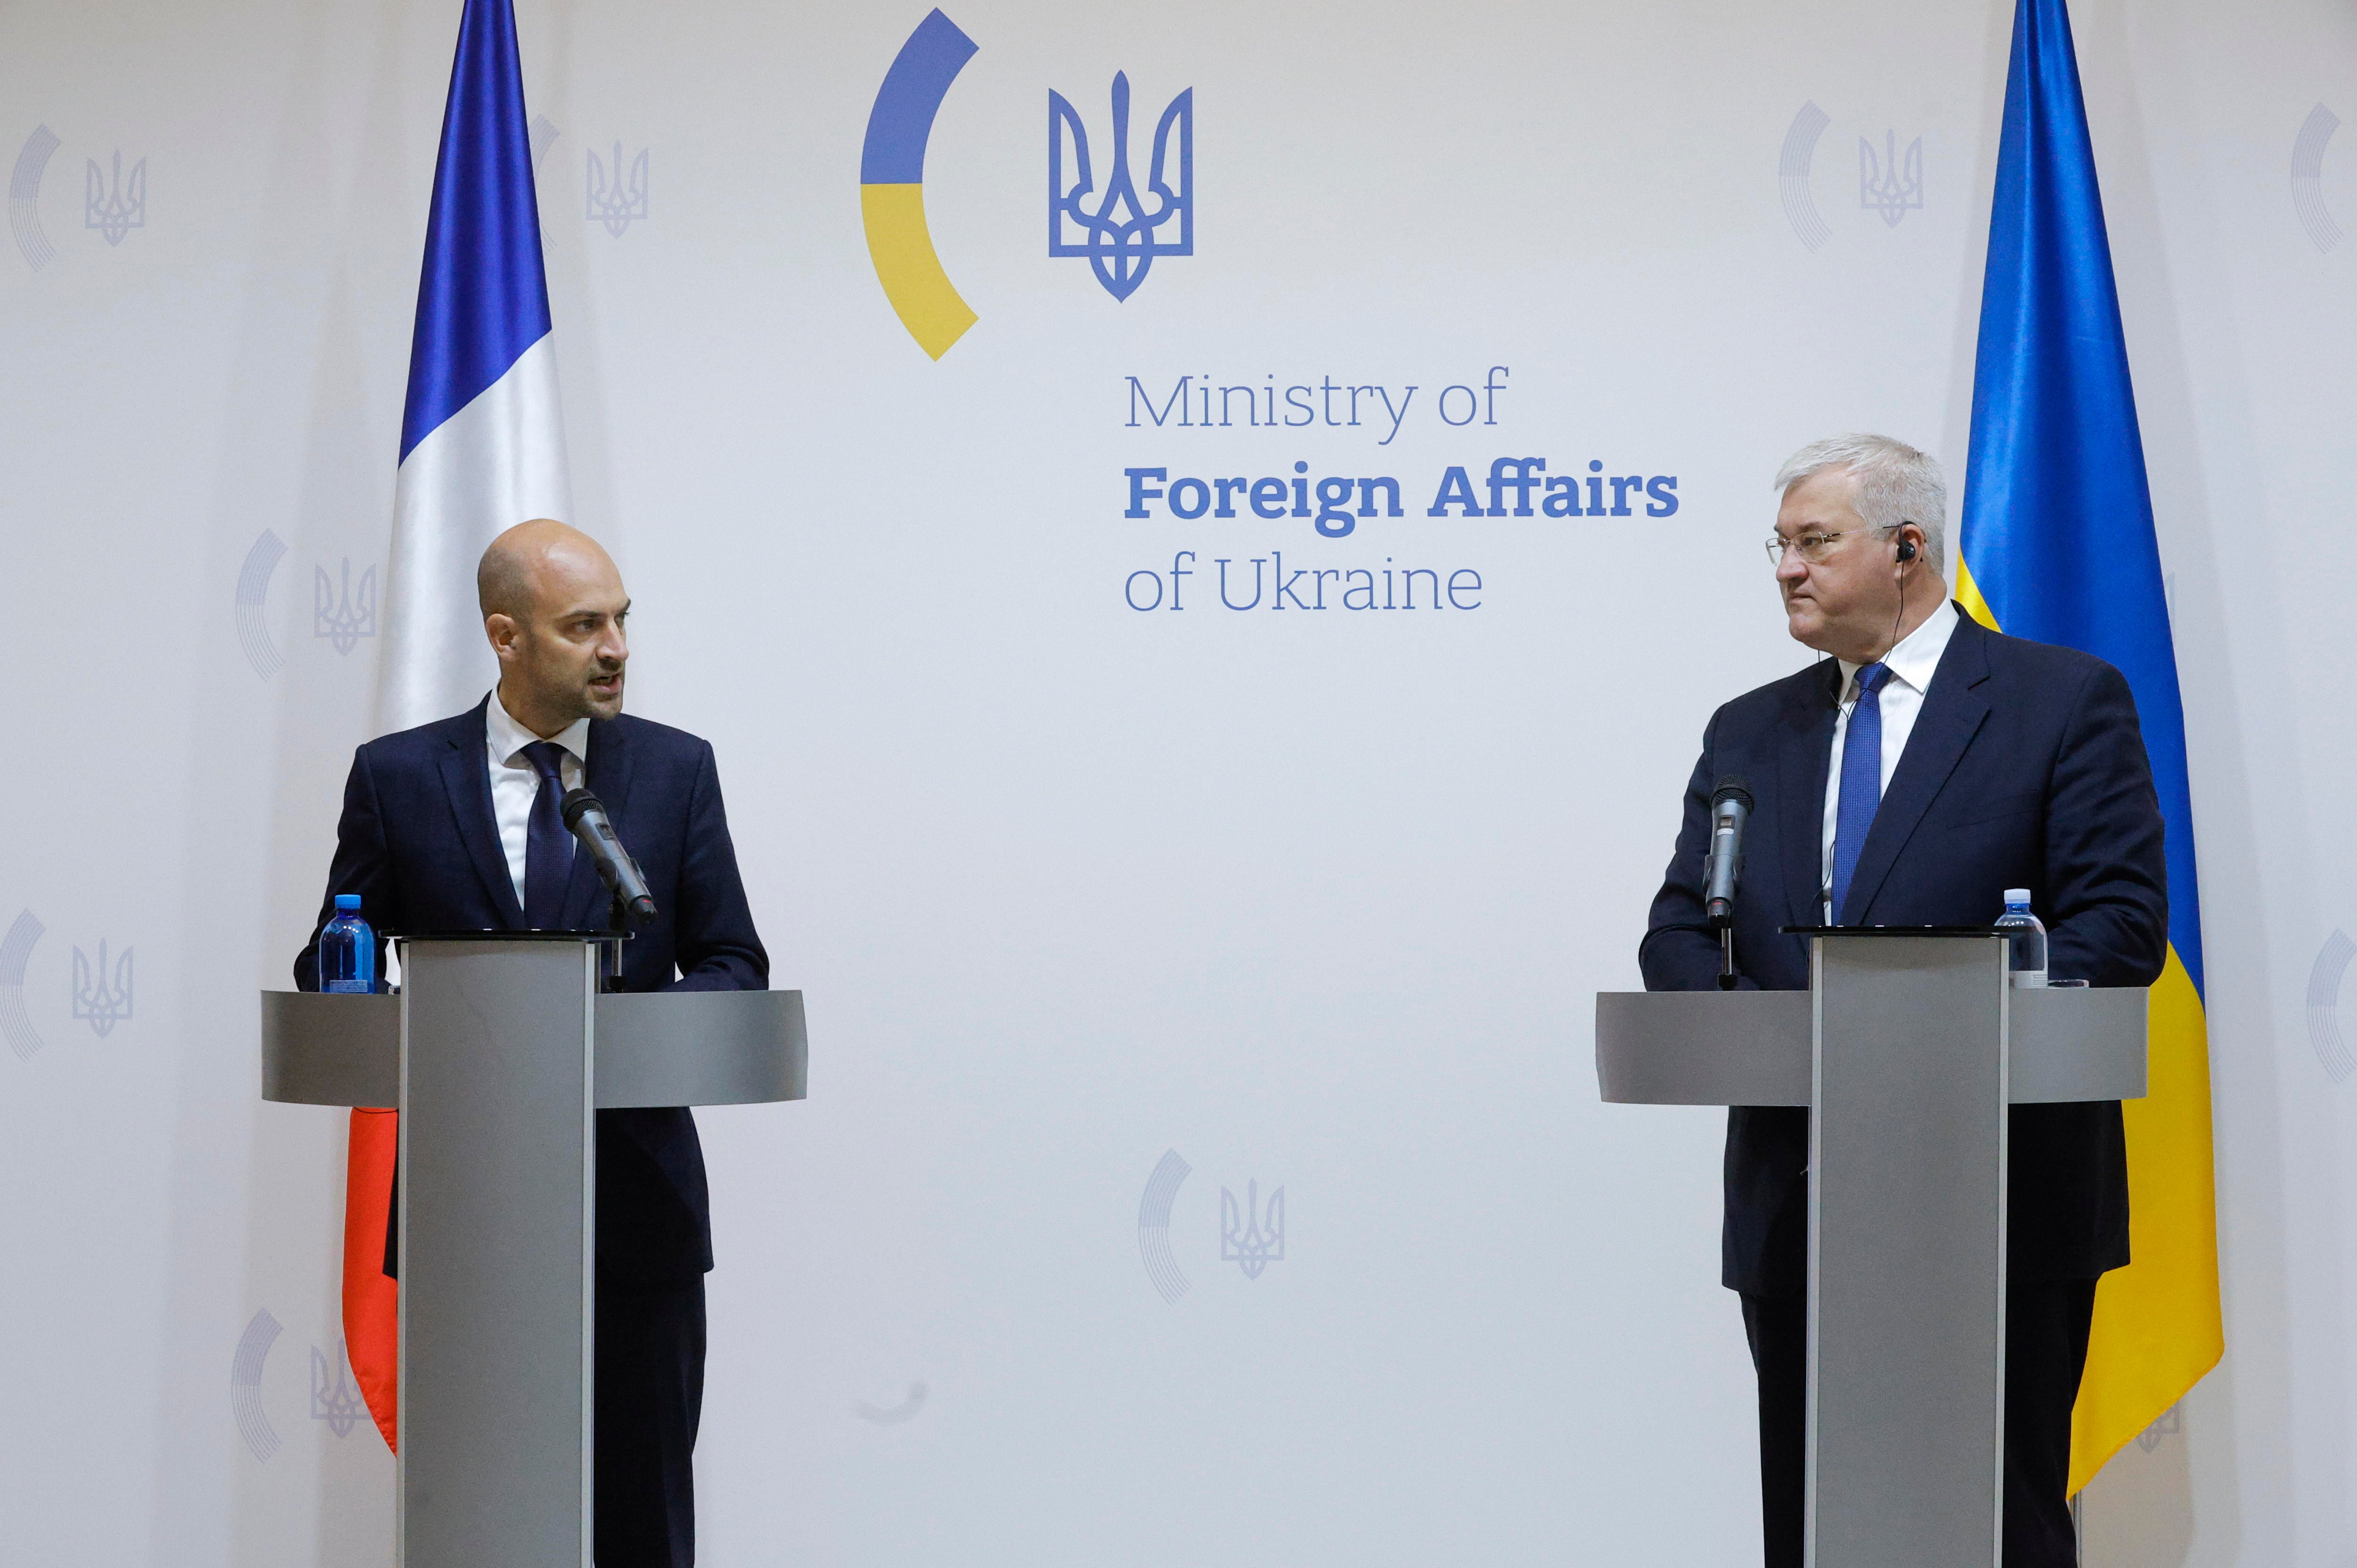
(553, 608)
(515, 567)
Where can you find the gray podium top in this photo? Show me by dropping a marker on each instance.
(1752, 1047)
(662, 1047)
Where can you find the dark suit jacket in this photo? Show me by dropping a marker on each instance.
(419, 844)
(2025, 770)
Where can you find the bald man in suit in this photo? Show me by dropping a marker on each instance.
(454, 826)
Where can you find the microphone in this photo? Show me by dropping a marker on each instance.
(585, 818)
(1730, 807)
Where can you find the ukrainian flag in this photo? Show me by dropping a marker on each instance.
(2059, 546)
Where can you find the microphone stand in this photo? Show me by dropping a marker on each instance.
(1730, 808)
(609, 947)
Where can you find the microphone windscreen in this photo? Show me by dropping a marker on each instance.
(576, 802)
(1731, 787)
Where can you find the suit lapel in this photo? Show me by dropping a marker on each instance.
(1952, 713)
(605, 773)
(467, 778)
(1801, 763)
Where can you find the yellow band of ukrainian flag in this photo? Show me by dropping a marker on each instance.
(2157, 1326)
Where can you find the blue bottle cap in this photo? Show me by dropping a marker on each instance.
(348, 901)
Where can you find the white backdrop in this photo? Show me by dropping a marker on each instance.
(1315, 899)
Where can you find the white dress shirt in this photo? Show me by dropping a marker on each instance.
(515, 783)
(1900, 700)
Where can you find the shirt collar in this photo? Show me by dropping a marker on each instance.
(508, 739)
(1916, 655)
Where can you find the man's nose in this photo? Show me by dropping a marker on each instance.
(1790, 567)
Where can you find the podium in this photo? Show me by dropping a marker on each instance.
(499, 1051)
(1908, 1046)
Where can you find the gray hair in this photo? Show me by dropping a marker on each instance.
(1896, 484)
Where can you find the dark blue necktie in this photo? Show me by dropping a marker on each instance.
(548, 848)
(1861, 780)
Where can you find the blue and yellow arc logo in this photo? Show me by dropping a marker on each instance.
(892, 184)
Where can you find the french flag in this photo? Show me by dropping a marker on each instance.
(482, 448)
(482, 439)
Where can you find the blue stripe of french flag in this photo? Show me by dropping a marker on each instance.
(482, 436)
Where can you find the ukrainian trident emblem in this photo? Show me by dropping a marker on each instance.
(337, 615)
(1250, 1238)
(101, 998)
(337, 1402)
(1119, 236)
(617, 203)
(116, 211)
(1885, 184)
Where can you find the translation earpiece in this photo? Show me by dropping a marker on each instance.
(1906, 551)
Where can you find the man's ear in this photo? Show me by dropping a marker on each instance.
(503, 631)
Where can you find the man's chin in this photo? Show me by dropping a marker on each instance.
(602, 705)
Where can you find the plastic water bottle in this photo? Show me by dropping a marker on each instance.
(348, 949)
(2027, 938)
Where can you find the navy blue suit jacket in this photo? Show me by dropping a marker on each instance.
(419, 844)
(2025, 770)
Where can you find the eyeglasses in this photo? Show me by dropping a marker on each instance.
(1815, 548)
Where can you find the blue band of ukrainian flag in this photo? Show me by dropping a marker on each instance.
(2059, 545)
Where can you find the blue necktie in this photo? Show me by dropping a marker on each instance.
(1861, 781)
(548, 848)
